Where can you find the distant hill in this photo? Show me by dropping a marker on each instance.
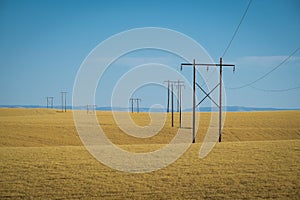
(202, 109)
(243, 109)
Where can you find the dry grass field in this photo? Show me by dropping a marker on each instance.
(42, 157)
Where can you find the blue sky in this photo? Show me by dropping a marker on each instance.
(43, 43)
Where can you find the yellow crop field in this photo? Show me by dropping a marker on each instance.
(42, 157)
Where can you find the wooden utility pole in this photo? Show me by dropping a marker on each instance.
(172, 105)
(49, 102)
(180, 101)
(131, 99)
(220, 103)
(220, 65)
(171, 85)
(168, 102)
(179, 82)
(91, 108)
(179, 87)
(194, 102)
(63, 101)
(137, 102)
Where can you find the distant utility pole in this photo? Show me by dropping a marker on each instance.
(131, 99)
(179, 88)
(220, 65)
(168, 102)
(138, 104)
(180, 104)
(50, 102)
(179, 83)
(90, 109)
(171, 84)
(63, 101)
(137, 100)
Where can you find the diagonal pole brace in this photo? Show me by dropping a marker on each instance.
(207, 95)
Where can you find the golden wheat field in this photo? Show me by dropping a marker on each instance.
(42, 157)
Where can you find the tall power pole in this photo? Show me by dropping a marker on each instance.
(63, 101)
(194, 101)
(172, 90)
(220, 103)
(220, 65)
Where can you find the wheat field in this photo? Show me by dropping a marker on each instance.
(42, 157)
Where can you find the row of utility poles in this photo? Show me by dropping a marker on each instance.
(171, 85)
(137, 100)
(50, 102)
(171, 90)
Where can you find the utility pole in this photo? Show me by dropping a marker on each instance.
(137, 100)
(220, 103)
(220, 65)
(168, 103)
(50, 102)
(90, 108)
(172, 86)
(131, 99)
(180, 99)
(63, 101)
(179, 88)
(194, 101)
(138, 104)
(179, 84)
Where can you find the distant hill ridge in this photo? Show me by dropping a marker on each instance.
(202, 109)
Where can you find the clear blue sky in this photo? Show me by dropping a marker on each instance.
(43, 43)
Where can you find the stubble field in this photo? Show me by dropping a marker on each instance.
(41, 156)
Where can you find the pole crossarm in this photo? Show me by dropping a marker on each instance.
(209, 64)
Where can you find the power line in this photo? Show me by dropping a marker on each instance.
(237, 28)
(266, 74)
(275, 90)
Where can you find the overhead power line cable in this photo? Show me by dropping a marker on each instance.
(237, 28)
(275, 90)
(266, 74)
